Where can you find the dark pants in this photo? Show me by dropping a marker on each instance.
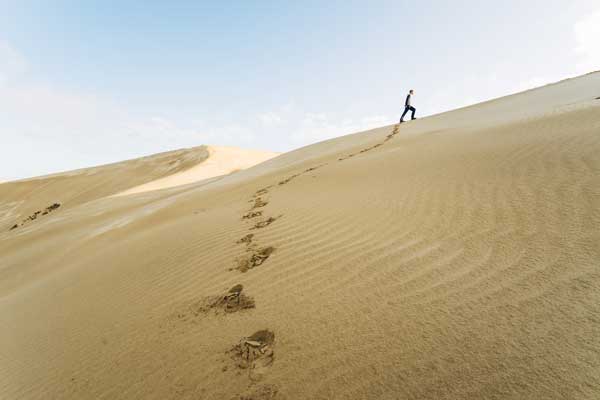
(406, 108)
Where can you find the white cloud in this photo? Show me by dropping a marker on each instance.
(270, 118)
(456, 93)
(290, 126)
(488, 86)
(314, 127)
(587, 36)
(537, 81)
(45, 128)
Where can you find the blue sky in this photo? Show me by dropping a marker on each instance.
(90, 82)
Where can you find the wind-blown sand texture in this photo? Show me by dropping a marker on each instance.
(452, 257)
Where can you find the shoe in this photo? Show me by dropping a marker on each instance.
(401, 121)
(413, 118)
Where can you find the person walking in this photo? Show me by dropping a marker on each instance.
(408, 106)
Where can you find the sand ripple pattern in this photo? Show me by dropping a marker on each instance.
(457, 261)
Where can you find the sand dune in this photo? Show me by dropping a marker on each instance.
(221, 161)
(452, 257)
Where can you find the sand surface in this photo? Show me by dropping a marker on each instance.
(452, 257)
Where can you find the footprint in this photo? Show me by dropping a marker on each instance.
(232, 301)
(262, 191)
(246, 239)
(313, 168)
(388, 137)
(283, 182)
(264, 223)
(255, 353)
(288, 179)
(52, 207)
(261, 392)
(252, 214)
(391, 135)
(34, 216)
(371, 148)
(257, 258)
(259, 202)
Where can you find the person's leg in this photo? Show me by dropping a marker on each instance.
(404, 113)
(413, 112)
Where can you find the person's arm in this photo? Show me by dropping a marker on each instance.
(407, 102)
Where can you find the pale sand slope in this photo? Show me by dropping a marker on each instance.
(83, 185)
(222, 160)
(458, 260)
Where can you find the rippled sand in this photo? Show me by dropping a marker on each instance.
(451, 257)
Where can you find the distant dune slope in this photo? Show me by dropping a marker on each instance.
(452, 257)
(222, 160)
(83, 185)
(174, 168)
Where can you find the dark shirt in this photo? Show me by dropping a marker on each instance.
(407, 102)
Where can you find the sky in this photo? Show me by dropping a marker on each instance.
(84, 83)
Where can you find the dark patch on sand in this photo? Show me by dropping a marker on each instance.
(345, 158)
(286, 180)
(262, 392)
(259, 202)
(258, 257)
(265, 223)
(34, 216)
(255, 353)
(246, 239)
(388, 137)
(262, 191)
(232, 301)
(252, 214)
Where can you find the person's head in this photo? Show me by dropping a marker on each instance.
(411, 91)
